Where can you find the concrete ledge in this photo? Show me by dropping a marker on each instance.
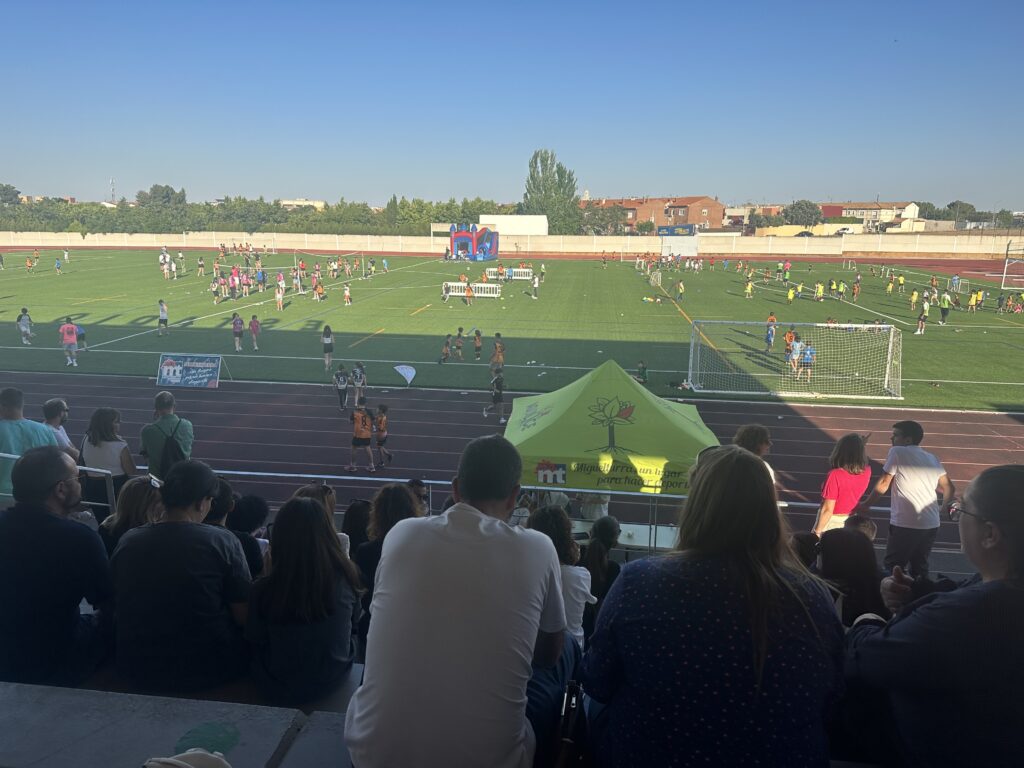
(66, 727)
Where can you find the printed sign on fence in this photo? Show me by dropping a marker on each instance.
(185, 370)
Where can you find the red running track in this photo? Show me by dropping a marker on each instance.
(297, 429)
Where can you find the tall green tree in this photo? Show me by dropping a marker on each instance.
(9, 195)
(803, 213)
(551, 191)
(161, 195)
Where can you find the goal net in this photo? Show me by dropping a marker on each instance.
(834, 361)
(1013, 268)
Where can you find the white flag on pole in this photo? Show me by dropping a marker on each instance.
(407, 372)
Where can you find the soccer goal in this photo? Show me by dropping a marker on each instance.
(1013, 268)
(835, 361)
(849, 265)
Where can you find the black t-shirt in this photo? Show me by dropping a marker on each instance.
(367, 557)
(48, 564)
(175, 582)
(252, 551)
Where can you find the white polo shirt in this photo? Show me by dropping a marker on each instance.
(457, 603)
(914, 486)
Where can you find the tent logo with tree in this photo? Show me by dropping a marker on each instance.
(609, 412)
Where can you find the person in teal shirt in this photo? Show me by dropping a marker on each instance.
(166, 422)
(17, 435)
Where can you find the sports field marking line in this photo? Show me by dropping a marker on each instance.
(416, 312)
(688, 318)
(698, 401)
(365, 338)
(406, 361)
(180, 323)
(103, 298)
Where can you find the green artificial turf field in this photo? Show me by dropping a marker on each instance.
(585, 315)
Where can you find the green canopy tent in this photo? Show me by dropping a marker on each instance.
(606, 432)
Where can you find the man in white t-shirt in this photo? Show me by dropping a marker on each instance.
(915, 478)
(55, 416)
(465, 609)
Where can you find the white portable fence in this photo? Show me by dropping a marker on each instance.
(480, 290)
(513, 273)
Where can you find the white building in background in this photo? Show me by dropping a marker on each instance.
(510, 225)
(301, 202)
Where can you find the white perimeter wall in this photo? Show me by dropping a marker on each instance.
(957, 246)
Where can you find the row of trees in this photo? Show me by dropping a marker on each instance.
(550, 190)
(805, 213)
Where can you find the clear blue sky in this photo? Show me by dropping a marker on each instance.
(747, 101)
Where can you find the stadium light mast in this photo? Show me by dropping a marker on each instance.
(113, 199)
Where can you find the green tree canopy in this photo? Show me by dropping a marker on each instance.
(9, 195)
(551, 191)
(803, 213)
(159, 195)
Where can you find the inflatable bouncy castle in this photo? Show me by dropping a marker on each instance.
(474, 244)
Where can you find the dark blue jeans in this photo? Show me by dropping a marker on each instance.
(544, 695)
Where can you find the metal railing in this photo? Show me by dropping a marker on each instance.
(108, 477)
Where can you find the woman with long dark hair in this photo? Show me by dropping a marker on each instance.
(554, 523)
(595, 557)
(392, 503)
(847, 561)
(726, 651)
(104, 448)
(301, 614)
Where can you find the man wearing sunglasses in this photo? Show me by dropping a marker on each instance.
(914, 476)
(48, 564)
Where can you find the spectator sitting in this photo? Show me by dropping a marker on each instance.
(957, 651)
(137, 504)
(182, 590)
(482, 599)
(862, 523)
(220, 509)
(165, 424)
(17, 434)
(356, 522)
(55, 416)
(758, 440)
(421, 492)
(391, 503)
(303, 612)
(847, 561)
(594, 556)
(731, 618)
(249, 517)
(329, 501)
(806, 546)
(104, 448)
(845, 484)
(48, 564)
(554, 523)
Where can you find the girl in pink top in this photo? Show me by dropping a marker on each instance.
(845, 483)
(254, 331)
(68, 333)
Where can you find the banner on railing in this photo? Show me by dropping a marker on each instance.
(187, 370)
